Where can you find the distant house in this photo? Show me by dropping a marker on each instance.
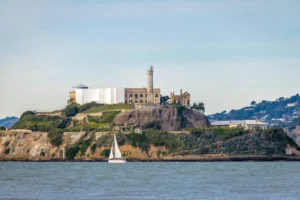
(291, 104)
(246, 124)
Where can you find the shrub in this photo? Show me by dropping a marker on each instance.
(71, 110)
(42, 154)
(108, 117)
(2, 128)
(27, 113)
(105, 153)
(93, 148)
(85, 145)
(104, 140)
(72, 151)
(138, 140)
(7, 151)
(55, 136)
(65, 122)
(88, 106)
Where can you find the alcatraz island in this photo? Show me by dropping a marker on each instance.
(148, 126)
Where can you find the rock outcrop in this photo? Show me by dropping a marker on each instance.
(167, 117)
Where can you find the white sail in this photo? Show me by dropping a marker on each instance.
(111, 155)
(117, 152)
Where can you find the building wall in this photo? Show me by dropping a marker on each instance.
(72, 97)
(249, 126)
(139, 95)
(184, 98)
(101, 95)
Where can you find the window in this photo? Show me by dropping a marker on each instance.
(130, 95)
(130, 101)
(125, 95)
(141, 95)
(141, 101)
(136, 101)
(125, 101)
(136, 95)
(156, 95)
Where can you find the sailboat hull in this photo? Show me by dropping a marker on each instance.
(117, 161)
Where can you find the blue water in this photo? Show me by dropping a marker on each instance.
(220, 180)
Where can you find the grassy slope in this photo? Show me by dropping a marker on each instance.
(106, 108)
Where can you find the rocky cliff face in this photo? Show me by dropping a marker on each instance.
(35, 146)
(167, 117)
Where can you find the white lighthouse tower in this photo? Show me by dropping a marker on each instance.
(150, 95)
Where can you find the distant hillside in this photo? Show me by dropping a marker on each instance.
(277, 113)
(8, 122)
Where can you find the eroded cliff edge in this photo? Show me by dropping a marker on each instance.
(152, 145)
(168, 118)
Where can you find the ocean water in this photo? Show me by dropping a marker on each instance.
(157, 180)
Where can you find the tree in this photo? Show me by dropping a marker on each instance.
(253, 103)
(71, 110)
(27, 113)
(199, 106)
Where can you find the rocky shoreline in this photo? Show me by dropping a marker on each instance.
(226, 158)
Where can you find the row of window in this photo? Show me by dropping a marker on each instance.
(131, 101)
(141, 95)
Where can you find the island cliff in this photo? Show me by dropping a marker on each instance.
(160, 134)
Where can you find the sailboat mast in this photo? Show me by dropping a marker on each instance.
(114, 149)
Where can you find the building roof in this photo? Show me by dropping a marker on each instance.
(237, 122)
(80, 86)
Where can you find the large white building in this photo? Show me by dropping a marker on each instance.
(83, 95)
(246, 124)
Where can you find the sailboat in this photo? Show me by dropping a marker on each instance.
(115, 153)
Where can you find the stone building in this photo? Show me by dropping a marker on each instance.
(143, 96)
(183, 99)
(149, 95)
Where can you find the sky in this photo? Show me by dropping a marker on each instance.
(226, 53)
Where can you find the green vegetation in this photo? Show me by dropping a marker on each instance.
(71, 110)
(27, 113)
(89, 106)
(55, 136)
(80, 146)
(138, 140)
(114, 107)
(7, 151)
(199, 106)
(266, 110)
(45, 123)
(214, 141)
(157, 138)
(85, 145)
(226, 133)
(41, 122)
(2, 128)
(93, 148)
(107, 117)
(105, 153)
(72, 151)
(42, 154)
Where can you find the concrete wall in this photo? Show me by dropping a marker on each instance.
(113, 95)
